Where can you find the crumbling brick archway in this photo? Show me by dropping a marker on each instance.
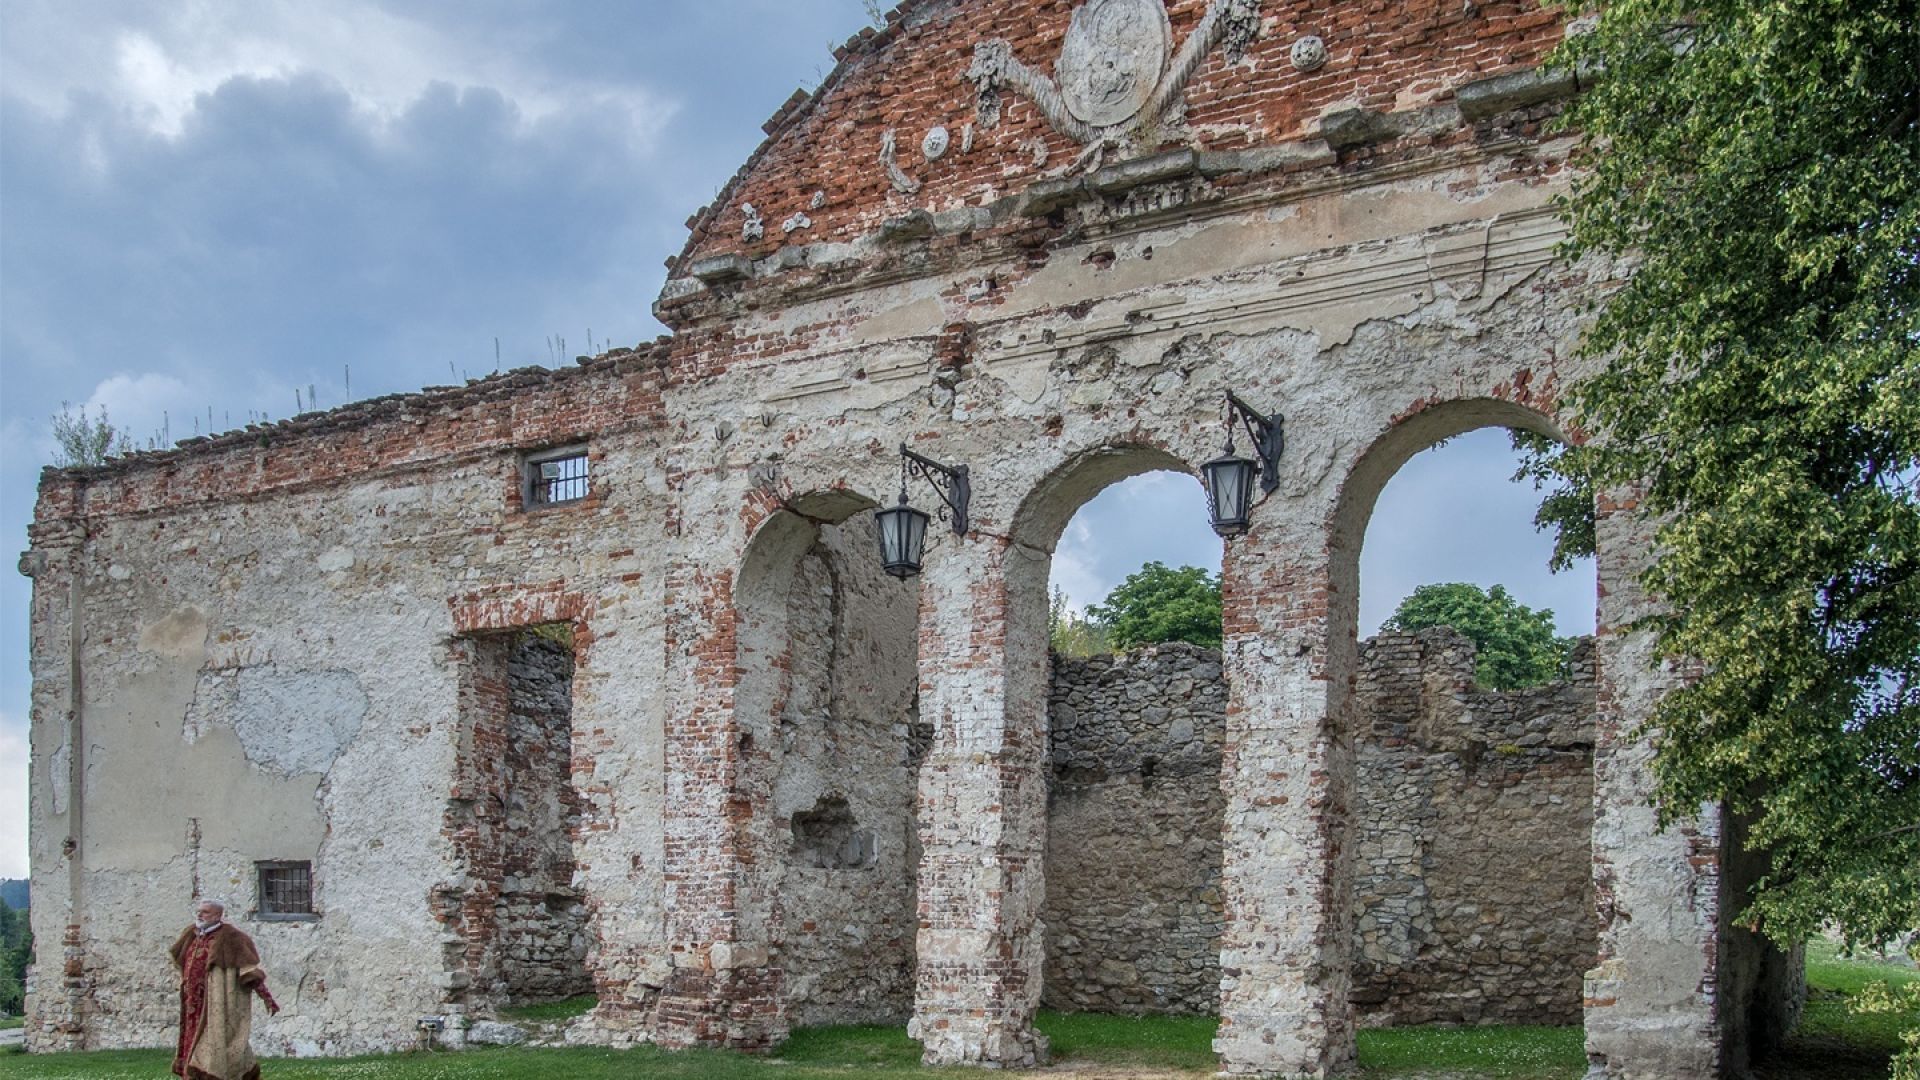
(826, 727)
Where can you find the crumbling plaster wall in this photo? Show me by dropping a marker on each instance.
(1062, 366)
(844, 755)
(272, 679)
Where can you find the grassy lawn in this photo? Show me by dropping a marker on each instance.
(551, 1011)
(1175, 1046)
(1833, 1044)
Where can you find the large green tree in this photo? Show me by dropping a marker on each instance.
(1516, 644)
(1156, 604)
(1755, 165)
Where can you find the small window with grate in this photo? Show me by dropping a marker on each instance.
(554, 477)
(286, 891)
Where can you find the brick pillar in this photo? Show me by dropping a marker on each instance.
(722, 988)
(982, 803)
(1650, 1001)
(1285, 956)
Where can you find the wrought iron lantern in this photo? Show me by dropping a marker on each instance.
(902, 530)
(1229, 477)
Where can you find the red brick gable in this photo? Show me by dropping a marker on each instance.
(820, 178)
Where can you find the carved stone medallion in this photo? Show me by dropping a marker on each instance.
(1112, 59)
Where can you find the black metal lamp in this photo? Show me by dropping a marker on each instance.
(1229, 477)
(902, 530)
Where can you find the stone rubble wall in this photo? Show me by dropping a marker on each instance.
(1472, 899)
(1473, 894)
(516, 921)
(1134, 815)
(541, 930)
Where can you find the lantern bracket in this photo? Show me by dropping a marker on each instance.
(949, 481)
(1268, 434)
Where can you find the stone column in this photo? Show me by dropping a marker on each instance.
(722, 989)
(1285, 958)
(982, 803)
(1650, 1001)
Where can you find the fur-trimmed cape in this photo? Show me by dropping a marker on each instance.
(232, 948)
(218, 977)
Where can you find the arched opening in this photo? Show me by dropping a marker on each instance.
(826, 709)
(1133, 910)
(1471, 803)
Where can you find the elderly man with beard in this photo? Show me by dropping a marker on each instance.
(219, 974)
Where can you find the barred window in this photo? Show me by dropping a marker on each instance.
(553, 477)
(286, 890)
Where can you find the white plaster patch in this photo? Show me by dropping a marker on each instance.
(335, 558)
(288, 722)
(182, 635)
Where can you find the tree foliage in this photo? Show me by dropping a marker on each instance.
(16, 950)
(1756, 163)
(1516, 644)
(83, 441)
(1070, 635)
(1155, 604)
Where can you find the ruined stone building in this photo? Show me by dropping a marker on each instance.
(592, 678)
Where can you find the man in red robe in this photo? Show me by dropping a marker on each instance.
(219, 974)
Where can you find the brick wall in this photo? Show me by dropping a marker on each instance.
(822, 157)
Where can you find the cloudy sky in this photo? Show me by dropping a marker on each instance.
(214, 209)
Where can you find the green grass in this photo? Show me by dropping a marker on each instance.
(1834, 1044)
(11, 1022)
(1509, 1052)
(1833, 1041)
(550, 1011)
(1157, 1042)
(861, 1047)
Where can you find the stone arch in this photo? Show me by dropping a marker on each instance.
(824, 703)
(1042, 516)
(1047, 508)
(1441, 791)
(1409, 435)
(1130, 923)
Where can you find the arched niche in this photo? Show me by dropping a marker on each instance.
(826, 714)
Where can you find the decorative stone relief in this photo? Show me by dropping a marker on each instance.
(1309, 53)
(1116, 68)
(933, 146)
(753, 228)
(1112, 59)
(819, 200)
(904, 184)
(797, 221)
